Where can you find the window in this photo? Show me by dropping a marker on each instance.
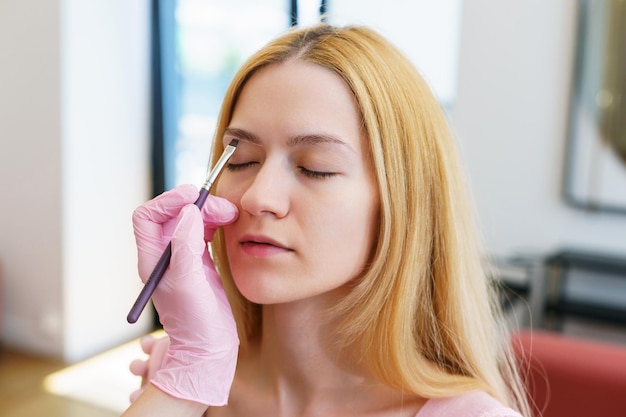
(200, 43)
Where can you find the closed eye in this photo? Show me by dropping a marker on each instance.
(316, 174)
(236, 167)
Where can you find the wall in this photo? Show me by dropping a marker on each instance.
(73, 166)
(515, 71)
(427, 31)
(30, 175)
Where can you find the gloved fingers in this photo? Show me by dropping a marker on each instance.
(188, 243)
(135, 394)
(153, 221)
(190, 258)
(138, 367)
(158, 352)
(167, 205)
(216, 212)
(147, 342)
(149, 218)
(188, 247)
(156, 349)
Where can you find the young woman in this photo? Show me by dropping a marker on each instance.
(347, 252)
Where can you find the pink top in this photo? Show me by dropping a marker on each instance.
(471, 404)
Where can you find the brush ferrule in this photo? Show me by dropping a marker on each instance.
(219, 165)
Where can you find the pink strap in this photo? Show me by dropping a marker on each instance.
(471, 404)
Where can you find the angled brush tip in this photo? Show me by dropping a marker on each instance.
(233, 142)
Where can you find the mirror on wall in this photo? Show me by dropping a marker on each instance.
(596, 149)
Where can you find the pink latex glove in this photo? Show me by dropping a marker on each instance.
(193, 308)
(156, 349)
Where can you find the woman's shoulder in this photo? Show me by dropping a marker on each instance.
(470, 404)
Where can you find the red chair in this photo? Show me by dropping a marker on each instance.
(572, 377)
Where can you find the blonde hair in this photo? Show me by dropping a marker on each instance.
(423, 314)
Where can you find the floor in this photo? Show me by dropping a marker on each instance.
(100, 386)
(22, 392)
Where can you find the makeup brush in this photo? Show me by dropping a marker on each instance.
(164, 261)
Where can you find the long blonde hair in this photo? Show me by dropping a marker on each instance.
(424, 313)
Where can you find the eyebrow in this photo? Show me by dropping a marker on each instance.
(307, 139)
(242, 135)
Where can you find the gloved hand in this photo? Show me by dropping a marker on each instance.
(192, 306)
(156, 349)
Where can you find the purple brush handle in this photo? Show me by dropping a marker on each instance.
(158, 272)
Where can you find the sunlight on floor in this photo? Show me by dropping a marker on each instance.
(103, 380)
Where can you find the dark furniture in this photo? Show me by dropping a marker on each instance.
(590, 266)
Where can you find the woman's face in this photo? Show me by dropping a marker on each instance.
(306, 193)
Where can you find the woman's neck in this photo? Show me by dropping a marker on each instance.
(301, 370)
(298, 343)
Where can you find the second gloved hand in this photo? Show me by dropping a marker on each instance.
(192, 306)
(156, 349)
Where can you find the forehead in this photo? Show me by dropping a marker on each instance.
(300, 96)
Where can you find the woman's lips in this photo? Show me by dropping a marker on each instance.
(262, 246)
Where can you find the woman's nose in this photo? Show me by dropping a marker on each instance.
(268, 192)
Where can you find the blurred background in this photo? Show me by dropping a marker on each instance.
(105, 103)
